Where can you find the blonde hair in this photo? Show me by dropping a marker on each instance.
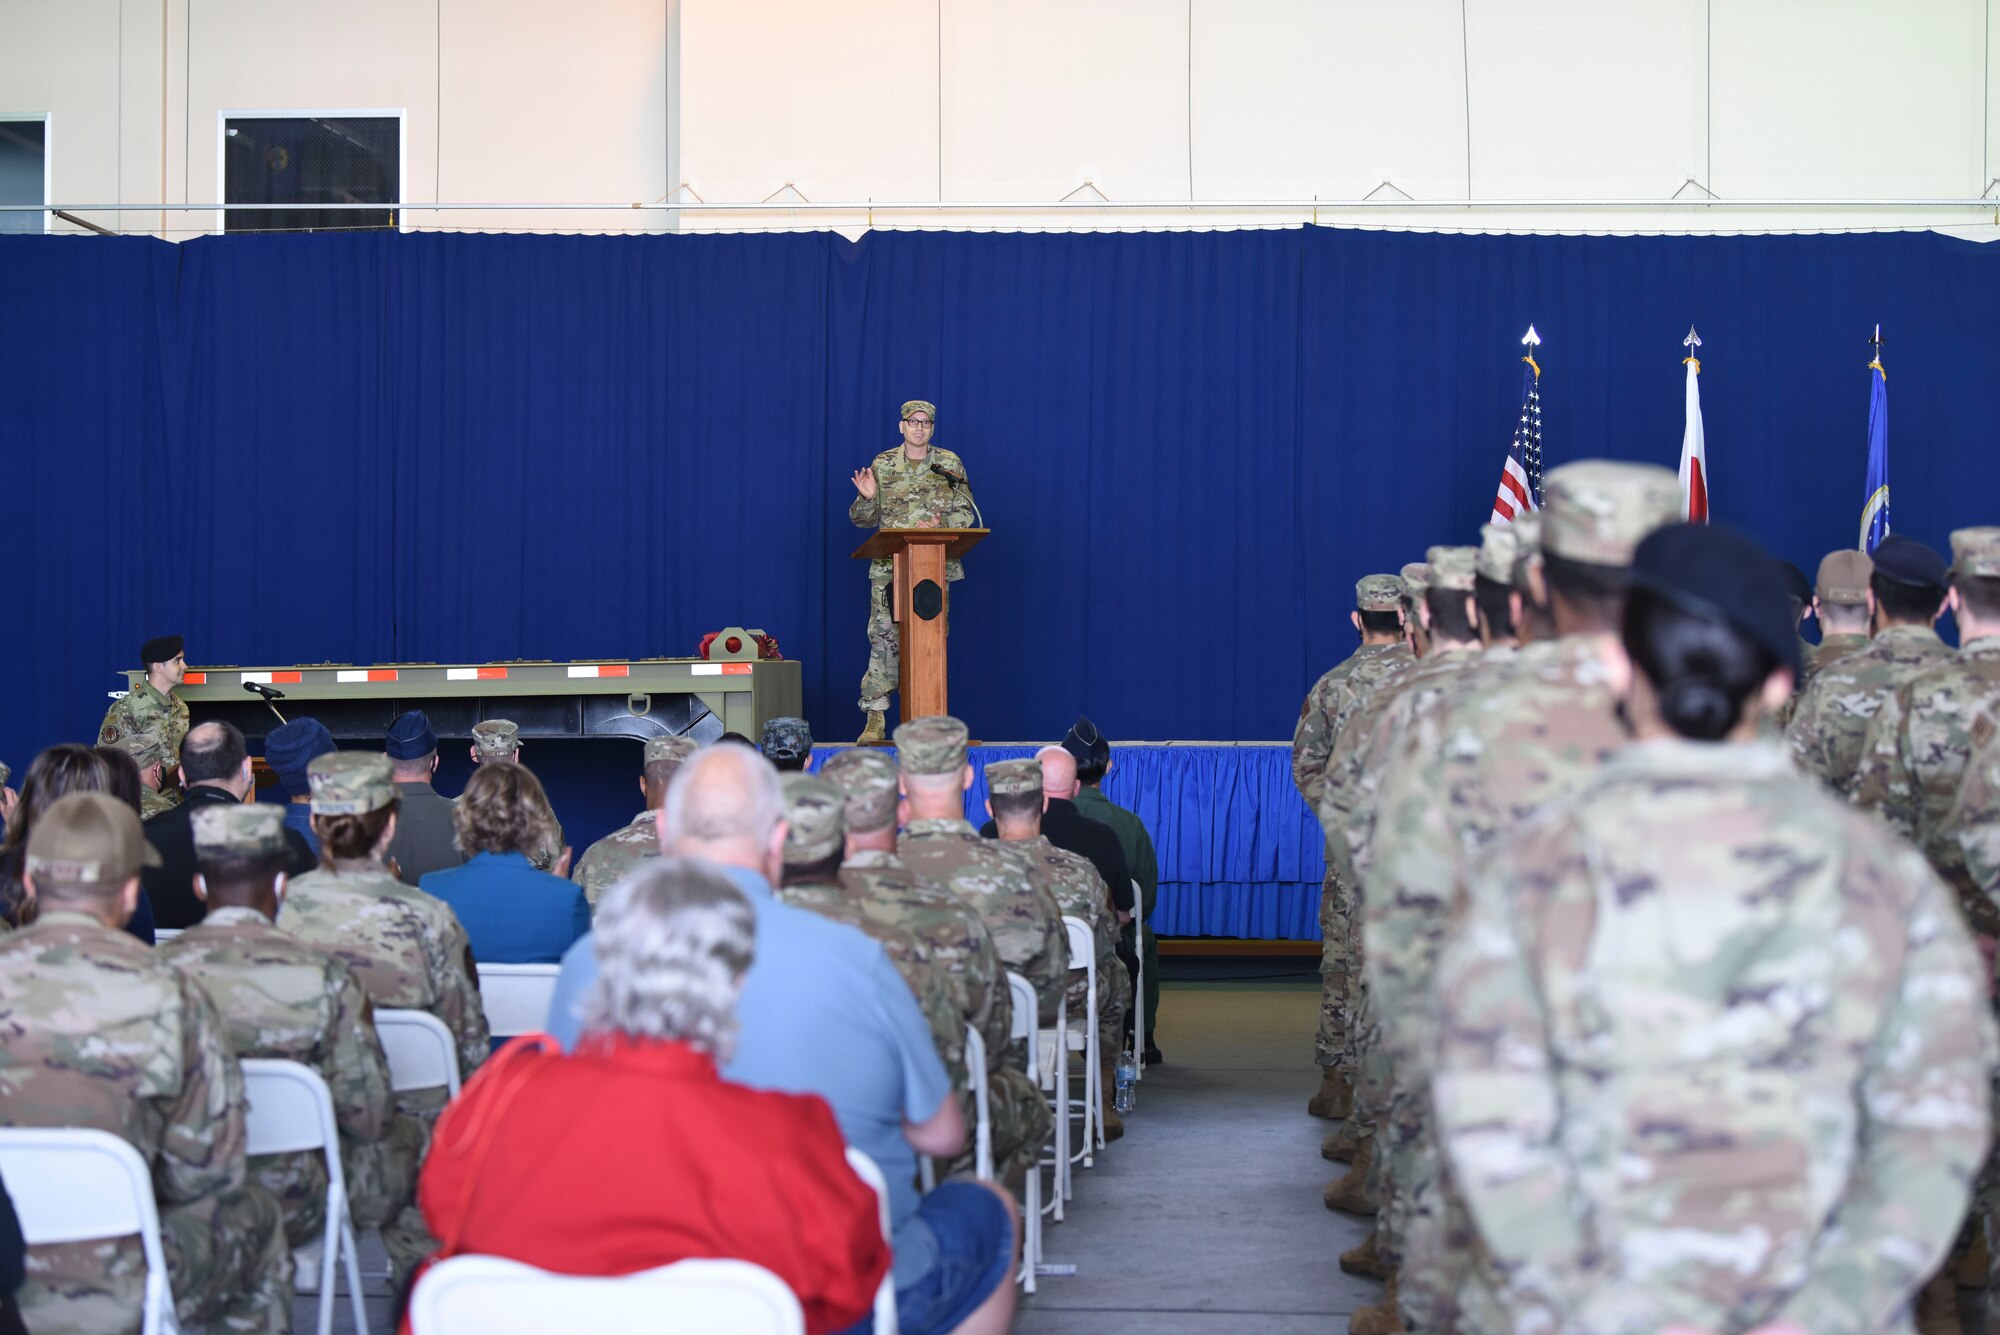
(504, 810)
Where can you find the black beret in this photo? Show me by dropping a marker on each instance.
(1907, 561)
(1085, 742)
(1796, 583)
(161, 650)
(1713, 571)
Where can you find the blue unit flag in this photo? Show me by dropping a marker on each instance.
(1875, 509)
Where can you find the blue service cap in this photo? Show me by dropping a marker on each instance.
(1086, 743)
(291, 747)
(1907, 561)
(410, 736)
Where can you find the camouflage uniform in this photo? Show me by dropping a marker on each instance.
(1666, 1100)
(406, 947)
(908, 494)
(1832, 715)
(147, 748)
(1830, 650)
(607, 860)
(500, 739)
(98, 1031)
(145, 709)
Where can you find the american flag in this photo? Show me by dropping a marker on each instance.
(1521, 477)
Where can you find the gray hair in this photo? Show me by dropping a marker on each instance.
(724, 794)
(673, 940)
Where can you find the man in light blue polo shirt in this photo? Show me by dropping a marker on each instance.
(823, 1011)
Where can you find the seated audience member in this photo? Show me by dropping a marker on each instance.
(288, 749)
(497, 741)
(605, 862)
(408, 950)
(512, 913)
(823, 1011)
(147, 749)
(1068, 828)
(68, 768)
(215, 765)
(525, 1167)
(425, 841)
(1093, 762)
(788, 744)
(13, 1266)
(279, 997)
(1723, 1083)
(99, 1031)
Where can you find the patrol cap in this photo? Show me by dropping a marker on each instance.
(1499, 548)
(814, 827)
(1797, 587)
(1596, 510)
(1527, 531)
(350, 783)
(787, 738)
(1011, 778)
(1379, 593)
(161, 649)
(1843, 577)
(89, 839)
(933, 745)
(146, 747)
(289, 748)
(496, 738)
(1416, 578)
(1710, 570)
(668, 747)
(920, 406)
(867, 778)
(249, 829)
(1086, 743)
(1907, 561)
(411, 736)
(1451, 568)
(1975, 553)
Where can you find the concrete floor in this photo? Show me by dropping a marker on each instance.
(1206, 1218)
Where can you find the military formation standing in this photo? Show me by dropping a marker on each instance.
(605, 862)
(151, 706)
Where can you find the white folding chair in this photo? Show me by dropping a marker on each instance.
(1083, 950)
(870, 1172)
(291, 1111)
(516, 997)
(420, 1049)
(161, 934)
(1027, 1029)
(1139, 980)
(982, 1104)
(76, 1185)
(486, 1295)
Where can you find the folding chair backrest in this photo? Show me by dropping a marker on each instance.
(1082, 943)
(486, 1295)
(77, 1185)
(420, 1050)
(867, 1170)
(1027, 1017)
(166, 933)
(517, 996)
(291, 1108)
(982, 1103)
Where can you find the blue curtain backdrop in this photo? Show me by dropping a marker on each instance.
(1189, 445)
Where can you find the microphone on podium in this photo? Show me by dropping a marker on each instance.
(957, 481)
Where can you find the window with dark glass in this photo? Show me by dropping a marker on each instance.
(23, 172)
(311, 160)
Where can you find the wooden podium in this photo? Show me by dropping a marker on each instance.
(917, 604)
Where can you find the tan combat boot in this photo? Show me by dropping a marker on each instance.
(1114, 1125)
(1349, 1194)
(1381, 1318)
(877, 730)
(1338, 1147)
(1937, 1305)
(1364, 1260)
(1335, 1097)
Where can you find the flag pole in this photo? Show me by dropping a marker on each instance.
(1875, 491)
(1694, 444)
(1532, 340)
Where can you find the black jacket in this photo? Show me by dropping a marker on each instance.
(172, 832)
(1066, 827)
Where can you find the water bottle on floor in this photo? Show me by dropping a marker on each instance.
(1126, 1096)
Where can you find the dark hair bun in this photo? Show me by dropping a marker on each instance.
(1699, 708)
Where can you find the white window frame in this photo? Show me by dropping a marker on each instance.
(48, 121)
(223, 117)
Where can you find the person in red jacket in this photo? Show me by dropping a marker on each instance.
(633, 1152)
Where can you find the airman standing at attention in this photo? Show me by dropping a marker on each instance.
(499, 739)
(605, 862)
(912, 485)
(148, 749)
(152, 706)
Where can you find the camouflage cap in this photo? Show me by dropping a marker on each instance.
(1416, 578)
(1527, 531)
(815, 828)
(669, 747)
(496, 738)
(919, 406)
(787, 738)
(933, 745)
(1451, 568)
(1499, 550)
(89, 839)
(1379, 593)
(1843, 577)
(1596, 510)
(148, 746)
(350, 783)
(868, 778)
(1975, 553)
(252, 829)
(1008, 778)
(6, 773)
